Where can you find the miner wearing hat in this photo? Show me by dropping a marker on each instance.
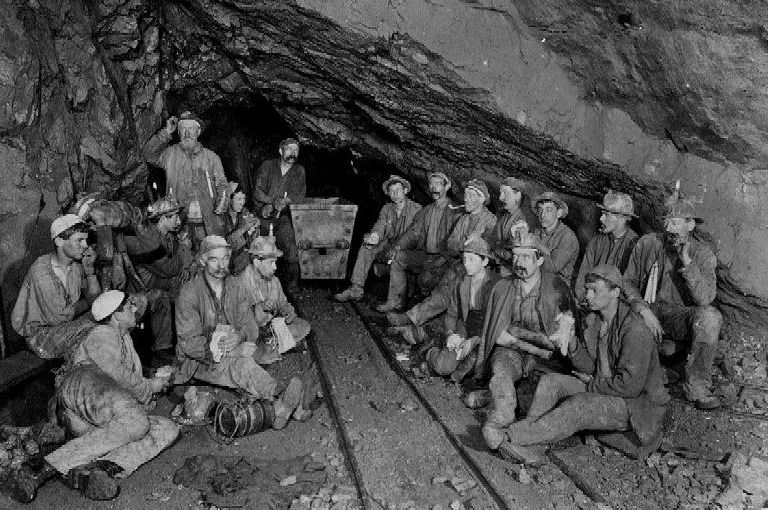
(100, 402)
(477, 220)
(670, 280)
(422, 249)
(514, 221)
(525, 317)
(280, 182)
(218, 337)
(239, 226)
(394, 218)
(466, 312)
(51, 309)
(266, 297)
(560, 240)
(194, 175)
(614, 242)
(617, 388)
(162, 260)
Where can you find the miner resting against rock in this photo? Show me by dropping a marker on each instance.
(100, 401)
(465, 314)
(218, 334)
(422, 248)
(560, 240)
(523, 318)
(618, 388)
(513, 221)
(614, 242)
(194, 175)
(279, 183)
(271, 309)
(51, 309)
(477, 220)
(393, 221)
(671, 278)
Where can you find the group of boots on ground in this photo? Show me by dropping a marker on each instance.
(512, 304)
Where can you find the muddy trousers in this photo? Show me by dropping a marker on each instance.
(108, 424)
(429, 266)
(160, 310)
(240, 373)
(366, 256)
(58, 341)
(577, 410)
(285, 240)
(700, 324)
(438, 300)
(507, 367)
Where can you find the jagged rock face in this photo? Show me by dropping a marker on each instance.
(462, 87)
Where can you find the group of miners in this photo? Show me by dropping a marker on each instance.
(199, 270)
(515, 306)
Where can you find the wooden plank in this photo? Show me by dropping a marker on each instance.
(19, 367)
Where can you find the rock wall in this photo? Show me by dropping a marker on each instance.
(667, 90)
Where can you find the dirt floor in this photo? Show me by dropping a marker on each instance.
(405, 453)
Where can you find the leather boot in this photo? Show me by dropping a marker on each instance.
(287, 403)
(21, 484)
(95, 480)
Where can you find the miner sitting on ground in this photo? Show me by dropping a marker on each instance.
(266, 298)
(194, 175)
(393, 221)
(477, 220)
(239, 226)
(560, 240)
(163, 262)
(421, 248)
(99, 402)
(465, 314)
(512, 223)
(614, 242)
(281, 182)
(617, 387)
(525, 318)
(670, 280)
(218, 334)
(51, 311)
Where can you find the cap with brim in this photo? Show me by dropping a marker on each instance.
(264, 247)
(163, 206)
(530, 242)
(213, 242)
(683, 208)
(191, 117)
(607, 272)
(392, 180)
(106, 304)
(480, 187)
(514, 183)
(551, 196)
(477, 245)
(440, 175)
(62, 223)
(618, 203)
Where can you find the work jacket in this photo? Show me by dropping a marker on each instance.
(391, 225)
(458, 306)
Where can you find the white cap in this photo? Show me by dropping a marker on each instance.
(106, 304)
(62, 223)
(212, 242)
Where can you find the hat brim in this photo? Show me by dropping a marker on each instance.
(267, 255)
(179, 210)
(603, 208)
(698, 220)
(386, 184)
(559, 203)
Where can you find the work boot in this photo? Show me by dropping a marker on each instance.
(287, 403)
(353, 293)
(477, 399)
(95, 480)
(528, 455)
(398, 319)
(707, 402)
(389, 306)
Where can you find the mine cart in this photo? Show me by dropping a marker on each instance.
(323, 228)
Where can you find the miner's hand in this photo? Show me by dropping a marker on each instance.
(171, 124)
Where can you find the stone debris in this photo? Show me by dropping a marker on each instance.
(288, 480)
(747, 483)
(462, 485)
(329, 497)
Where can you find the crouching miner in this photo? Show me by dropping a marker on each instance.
(218, 334)
(617, 387)
(100, 402)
